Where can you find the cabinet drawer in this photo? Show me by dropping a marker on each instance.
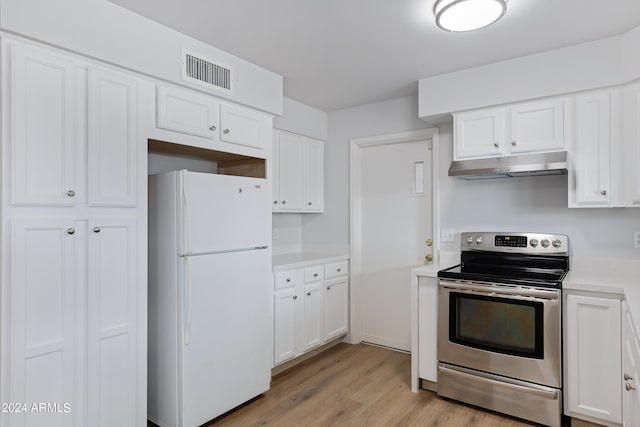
(315, 273)
(336, 269)
(287, 279)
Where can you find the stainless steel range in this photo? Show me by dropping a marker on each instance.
(499, 324)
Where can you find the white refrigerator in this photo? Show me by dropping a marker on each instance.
(210, 311)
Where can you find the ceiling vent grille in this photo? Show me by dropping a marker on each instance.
(197, 69)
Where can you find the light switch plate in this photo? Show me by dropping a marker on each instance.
(448, 235)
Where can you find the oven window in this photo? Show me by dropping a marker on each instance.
(497, 324)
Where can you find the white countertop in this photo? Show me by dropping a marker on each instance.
(295, 260)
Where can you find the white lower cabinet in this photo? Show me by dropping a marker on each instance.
(630, 370)
(593, 384)
(72, 341)
(311, 307)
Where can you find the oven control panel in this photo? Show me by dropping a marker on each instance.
(533, 243)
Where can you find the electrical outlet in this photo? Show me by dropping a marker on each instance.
(636, 239)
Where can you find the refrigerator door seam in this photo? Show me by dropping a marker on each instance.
(185, 196)
(187, 326)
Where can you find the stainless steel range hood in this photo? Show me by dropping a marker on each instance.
(511, 166)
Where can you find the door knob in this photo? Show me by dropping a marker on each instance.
(429, 242)
(429, 257)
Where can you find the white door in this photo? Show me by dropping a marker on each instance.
(291, 170)
(395, 222)
(314, 175)
(284, 324)
(537, 127)
(226, 336)
(313, 316)
(241, 126)
(336, 308)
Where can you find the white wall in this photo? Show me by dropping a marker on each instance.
(537, 204)
(397, 115)
(606, 62)
(302, 119)
(110, 33)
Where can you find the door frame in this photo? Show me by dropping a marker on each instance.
(355, 212)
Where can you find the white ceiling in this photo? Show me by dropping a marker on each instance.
(336, 54)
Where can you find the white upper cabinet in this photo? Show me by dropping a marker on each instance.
(204, 116)
(112, 139)
(187, 112)
(519, 128)
(479, 133)
(241, 126)
(595, 172)
(43, 128)
(538, 126)
(632, 144)
(298, 172)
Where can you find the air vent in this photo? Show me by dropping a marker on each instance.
(201, 70)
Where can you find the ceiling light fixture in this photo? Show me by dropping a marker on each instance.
(467, 15)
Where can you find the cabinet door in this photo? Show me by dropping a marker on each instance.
(44, 320)
(43, 120)
(313, 313)
(187, 112)
(284, 327)
(479, 133)
(241, 126)
(112, 139)
(630, 370)
(291, 160)
(537, 126)
(428, 328)
(593, 358)
(113, 362)
(275, 170)
(336, 308)
(592, 150)
(314, 175)
(632, 144)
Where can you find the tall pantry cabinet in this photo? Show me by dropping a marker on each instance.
(74, 212)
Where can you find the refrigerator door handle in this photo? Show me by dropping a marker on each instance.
(185, 212)
(187, 322)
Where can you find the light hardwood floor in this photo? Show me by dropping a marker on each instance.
(355, 385)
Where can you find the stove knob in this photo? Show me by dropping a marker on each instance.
(533, 242)
(556, 243)
(479, 240)
(470, 240)
(545, 243)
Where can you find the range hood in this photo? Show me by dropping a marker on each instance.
(554, 163)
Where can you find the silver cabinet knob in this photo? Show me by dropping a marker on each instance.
(288, 280)
(284, 202)
(315, 274)
(514, 143)
(71, 193)
(309, 294)
(309, 203)
(603, 192)
(627, 377)
(328, 288)
(629, 387)
(71, 231)
(275, 202)
(496, 145)
(226, 131)
(339, 270)
(213, 127)
(96, 229)
(295, 297)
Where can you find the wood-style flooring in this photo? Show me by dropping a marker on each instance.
(355, 385)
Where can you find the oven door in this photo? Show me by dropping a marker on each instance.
(501, 329)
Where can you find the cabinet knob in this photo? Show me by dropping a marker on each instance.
(309, 203)
(629, 387)
(328, 288)
(70, 231)
(496, 145)
(213, 127)
(514, 143)
(315, 274)
(288, 280)
(71, 193)
(226, 131)
(275, 202)
(295, 297)
(603, 192)
(339, 270)
(627, 377)
(309, 293)
(284, 202)
(96, 229)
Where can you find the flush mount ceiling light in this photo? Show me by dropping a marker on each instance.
(467, 15)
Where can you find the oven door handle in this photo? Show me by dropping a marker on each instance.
(496, 291)
(547, 394)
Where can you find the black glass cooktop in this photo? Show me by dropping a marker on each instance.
(546, 271)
